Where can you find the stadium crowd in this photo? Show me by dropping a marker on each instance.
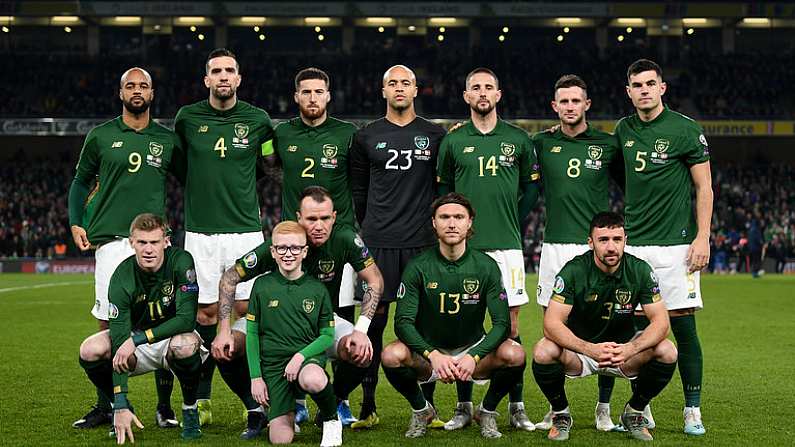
(754, 215)
(58, 84)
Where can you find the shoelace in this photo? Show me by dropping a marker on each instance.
(637, 421)
(561, 422)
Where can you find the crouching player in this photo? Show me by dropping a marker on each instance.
(290, 324)
(153, 303)
(589, 328)
(441, 309)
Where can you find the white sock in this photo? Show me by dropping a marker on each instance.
(565, 410)
(190, 407)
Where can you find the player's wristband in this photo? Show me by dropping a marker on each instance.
(362, 324)
(139, 338)
(120, 402)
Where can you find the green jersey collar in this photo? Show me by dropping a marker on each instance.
(226, 112)
(125, 128)
(458, 261)
(281, 278)
(587, 133)
(618, 275)
(656, 120)
(473, 131)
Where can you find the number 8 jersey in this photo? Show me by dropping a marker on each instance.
(220, 150)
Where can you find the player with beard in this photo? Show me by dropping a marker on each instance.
(129, 156)
(392, 163)
(222, 140)
(493, 164)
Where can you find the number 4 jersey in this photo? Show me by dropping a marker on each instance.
(220, 150)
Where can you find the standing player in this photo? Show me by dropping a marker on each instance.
(392, 163)
(330, 248)
(574, 160)
(441, 309)
(493, 163)
(289, 326)
(129, 155)
(222, 139)
(665, 156)
(153, 296)
(589, 328)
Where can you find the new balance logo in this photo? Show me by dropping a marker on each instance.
(555, 149)
(203, 129)
(117, 144)
(469, 149)
(381, 145)
(629, 143)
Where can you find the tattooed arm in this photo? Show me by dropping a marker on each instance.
(224, 344)
(372, 296)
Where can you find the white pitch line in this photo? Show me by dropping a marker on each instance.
(41, 286)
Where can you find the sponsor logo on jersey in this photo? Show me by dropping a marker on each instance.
(113, 311)
(556, 149)
(273, 303)
(292, 148)
(702, 139)
(203, 128)
(381, 145)
(193, 287)
(559, 286)
(591, 297)
(629, 143)
(308, 305)
(139, 298)
(470, 285)
(358, 241)
(401, 292)
(190, 275)
(538, 291)
(250, 260)
(117, 144)
(422, 142)
(469, 149)
(432, 285)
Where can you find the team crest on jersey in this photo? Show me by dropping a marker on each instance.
(422, 142)
(507, 149)
(559, 286)
(661, 145)
(329, 159)
(168, 288)
(471, 285)
(113, 311)
(325, 266)
(153, 157)
(250, 260)
(623, 296)
(401, 291)
(241, 130)
(595, 152)
(309, 305)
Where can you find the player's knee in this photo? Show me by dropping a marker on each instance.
(511, 354)
(208, 314)
(666, 352)
(280, 430)
(312, 379)
(183, 346)
(394, 354)
(240, 344)
(95, 347)
(546, 352)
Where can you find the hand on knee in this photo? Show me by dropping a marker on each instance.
(183, 346)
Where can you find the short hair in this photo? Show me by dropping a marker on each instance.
(148, 222)
(318, 193)
(571, 80)
(641, 65)
(127, 73)
(311, 73)
(482, 70)
(288, 227)
(412, 75)
(606, 219)
(455, 198)
(221, 52)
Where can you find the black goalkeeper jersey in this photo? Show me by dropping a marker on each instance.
(393, 180)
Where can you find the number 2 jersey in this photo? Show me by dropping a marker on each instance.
(219, 156)
(393, 180)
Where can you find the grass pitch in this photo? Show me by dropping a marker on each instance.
(746, 332)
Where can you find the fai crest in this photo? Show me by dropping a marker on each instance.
(422, 142)
(325, 266)
(661, 145)
(329, 150)
(507, 149)
(623, 296)
(241, 130)
(309, 305)
(595, 152)
(168, 288)
(156, 149)
(471, 285)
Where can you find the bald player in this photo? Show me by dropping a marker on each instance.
(129, 156)
(399, 151)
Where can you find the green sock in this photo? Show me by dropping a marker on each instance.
(326, 403)
(347, 377)
(516, 393)
(404, 380)
(551, 379)
(502, 381)
(464, 390)
(428, 390)
(691, 361)
(100, 373)
(164, 383)
(207, 333)
(606, 384)
(651, 380)
(235, 374)
(188, 371)
(103, 403)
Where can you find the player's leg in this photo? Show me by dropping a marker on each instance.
(185, 359)
(281, 397)
(551, 364)
(347, 374)
(505, 367)
(96, 362)
(313, 379)
(404, 369)
(282, 429)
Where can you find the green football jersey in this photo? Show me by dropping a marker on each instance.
(152, 305)
(220, 151)
(487, 169)
(289, 314)
(131, 168)
(325, 263)
(657, 160)
(314, 156)
(575, 172)
(442, 303)
(604, 304)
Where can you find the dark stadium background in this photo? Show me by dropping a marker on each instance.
(729, 65)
